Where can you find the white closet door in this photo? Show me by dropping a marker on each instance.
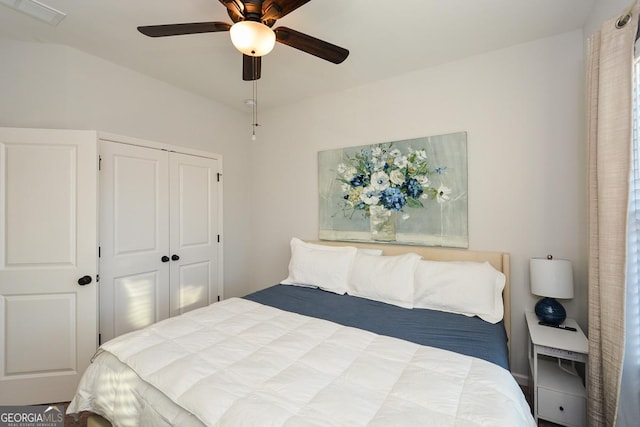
(134, 238)
(48, 231)
(194, 232)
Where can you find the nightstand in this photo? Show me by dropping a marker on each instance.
(558, 392)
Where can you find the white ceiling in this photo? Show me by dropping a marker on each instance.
(385, 38)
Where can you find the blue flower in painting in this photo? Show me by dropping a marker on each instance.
(413, 188)
(358, 181)
(368, 166)
(393, 199)
(440, 170)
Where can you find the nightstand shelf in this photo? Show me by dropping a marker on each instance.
(558, 392)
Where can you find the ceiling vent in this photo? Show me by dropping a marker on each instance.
(36, 10)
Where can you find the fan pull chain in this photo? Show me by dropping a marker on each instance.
(255, 124)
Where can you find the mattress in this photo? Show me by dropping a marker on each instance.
(239, 362)
(449, 331)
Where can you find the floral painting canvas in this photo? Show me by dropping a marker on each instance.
(409, 192)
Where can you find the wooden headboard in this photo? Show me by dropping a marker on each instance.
(499, 260)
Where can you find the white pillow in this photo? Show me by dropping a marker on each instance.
(384, 278)
(469, 288)
(365, 251)
(325, 267)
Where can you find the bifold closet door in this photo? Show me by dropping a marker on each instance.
(158, 235)
(134, 238)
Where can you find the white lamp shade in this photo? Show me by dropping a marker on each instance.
(252, 38)
(551, 278)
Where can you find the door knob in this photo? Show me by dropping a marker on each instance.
(175, 257)
(84, 280)
(164, 259)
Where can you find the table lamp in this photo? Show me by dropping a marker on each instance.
(551, 278)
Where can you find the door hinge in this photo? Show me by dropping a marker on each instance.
(218, 238)
(97, 277)
(99, 249)
(218, 298)
(99, 339)
(219, 176)
(99, 163)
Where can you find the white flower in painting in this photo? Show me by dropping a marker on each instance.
(443, 194)
(421, 155)
(400, 161)
(345, 188)
(350, 173)
(369, 196)
(341, 168)
(378, 164)
(397, 177)
(424, 196)
(406, 216)
(376, 152)
(395, 153)
(380, 181)
(422, 180)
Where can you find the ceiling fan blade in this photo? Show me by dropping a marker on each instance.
(180, 29)
(276, 9)
(311, 45)
(251, 67)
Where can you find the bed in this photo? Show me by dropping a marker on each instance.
(348, 338)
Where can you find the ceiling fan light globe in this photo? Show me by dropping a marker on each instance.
(252, 38)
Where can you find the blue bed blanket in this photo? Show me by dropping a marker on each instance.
(471, 336)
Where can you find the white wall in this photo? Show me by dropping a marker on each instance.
(52, 86)
(523, 110)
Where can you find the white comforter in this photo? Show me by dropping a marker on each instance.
(240, 363)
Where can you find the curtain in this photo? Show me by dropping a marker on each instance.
(629, 408)
(609, 96)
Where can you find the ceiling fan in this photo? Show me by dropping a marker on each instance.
(251, 32)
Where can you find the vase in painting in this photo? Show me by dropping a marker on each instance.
(383, 224)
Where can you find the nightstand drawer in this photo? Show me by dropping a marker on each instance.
(561, 408)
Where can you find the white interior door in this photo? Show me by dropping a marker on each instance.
(134, 238)
(48, 231)
(194, 231)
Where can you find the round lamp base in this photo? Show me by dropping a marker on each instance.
(550, 311)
